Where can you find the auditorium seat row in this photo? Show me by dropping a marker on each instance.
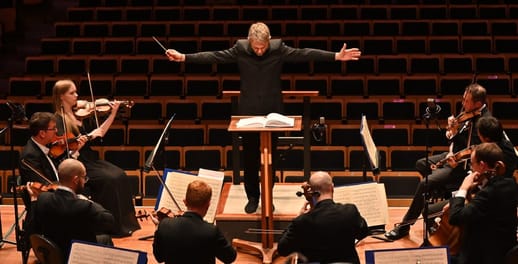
(146, 86)
(321, 11)
(379, 45)
(283, 28)
(368, 64)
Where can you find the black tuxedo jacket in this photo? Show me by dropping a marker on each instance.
(62, 217)
(33, 155)
(190, 239)
(488, 222)
(325, 234)
(261, 84)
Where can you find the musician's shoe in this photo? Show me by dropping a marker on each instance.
(251, 206)
(398, 232)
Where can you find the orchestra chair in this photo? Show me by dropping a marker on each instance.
(46, 251)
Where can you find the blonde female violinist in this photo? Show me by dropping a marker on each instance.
(488, 220)
(108, 183)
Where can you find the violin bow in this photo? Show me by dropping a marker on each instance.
(26, 163)
(65, 130)
(92, 98)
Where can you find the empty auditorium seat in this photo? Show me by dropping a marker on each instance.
(420, 85)
(445, 28)
(311, 83)
(414, 45)
(328, 158)
(404, 158)
(147, 109)
(67, 29)
(505, 44)
(216, 109)
(463, 11)
(504, 108)
(116, 136)
(135, 64)
(96, 29)
(398, 109)
(355, 108)
(40, 65)
(87, 46)
(392, 64)
(166, 85)
(206, 157)
(147, 45)
(495, 83)
(477, 44)
(136, 85)
(125, 157)
(32, 106)
(373, 12)
(347, 85)
(339, 180)
(367, 65)
(72, 65)
(374, 45)
(345, 135)
(385, 28)
(165, 157)
(184, 109)
(454, 84)
(384, 85)
(357, 28)
(55, 46)
(162, 65)
(503, 28)
(109, 14)
(201, 86)
(391, 134)
(125, 29)
(103, 64)
(101, 85)
(78, 14)
(455, 63)
(218, 135)
(119, 45)
(433, 12)
(331, 109)
(139, 13)
(358, 160)
(444, 44)
(26, 86)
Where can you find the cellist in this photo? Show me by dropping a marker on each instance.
(489, 219)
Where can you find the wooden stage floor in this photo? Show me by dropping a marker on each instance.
(9, 253)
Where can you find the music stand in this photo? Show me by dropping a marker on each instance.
(17, 116)
(160, 146)
(373, 157)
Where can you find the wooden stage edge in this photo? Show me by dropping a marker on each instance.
(9, 253)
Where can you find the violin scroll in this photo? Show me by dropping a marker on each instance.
(308, 193)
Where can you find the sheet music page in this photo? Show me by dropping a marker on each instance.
(437, 255)
(369, 143)
(177, 182)
(215, 180)
(82, 253)
(370, 198)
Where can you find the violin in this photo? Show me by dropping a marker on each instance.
(453, 160)
(461, 118)
(85, 108)
(37, 187)
(159, 215)
(59, 145)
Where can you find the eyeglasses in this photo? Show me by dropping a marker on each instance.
(52, 129)
(85, 177)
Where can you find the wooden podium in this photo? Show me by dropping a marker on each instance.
(267, 248)
(306, 124)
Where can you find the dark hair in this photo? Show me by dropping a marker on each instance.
(477, 91)
(489, 153)
(490, 127)
(40, 121)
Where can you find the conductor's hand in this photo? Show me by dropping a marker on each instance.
(174, 55)
(348, 54)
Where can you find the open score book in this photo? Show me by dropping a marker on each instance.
(271, 120)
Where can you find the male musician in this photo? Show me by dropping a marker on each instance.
(35, 164)
(260, 60)
(64, 215)
(326, 232)
(488, 220)
(461, 135)
(188, 238)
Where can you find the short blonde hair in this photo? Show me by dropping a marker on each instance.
(259, 31)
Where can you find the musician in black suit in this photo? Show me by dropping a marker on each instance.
(461, 133)
(325, 232)
(260, 61)
(488, 220)
(188, 238)
(35, 164)
(64, 215)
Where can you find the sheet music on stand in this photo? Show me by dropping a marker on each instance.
(177, 181)
(82, 252)
(370, 148)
